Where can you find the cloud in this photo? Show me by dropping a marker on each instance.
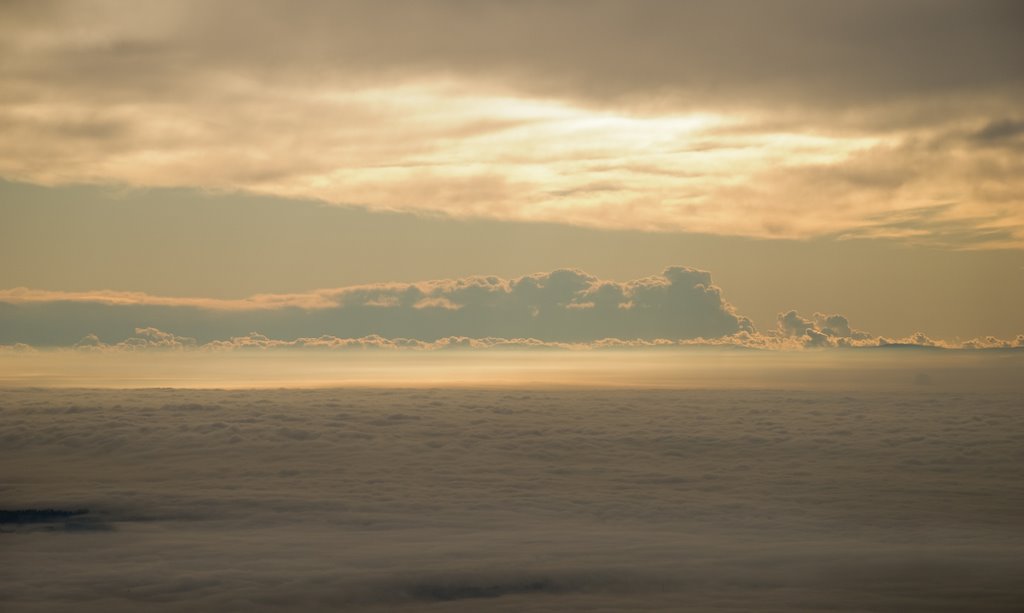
(565, 309)
(521, 499)
(560, 306)
(991, 342)
(144, 339)
(810, 338)
(792, 120)
(822, 330)
(596, 50)
(1000, 131)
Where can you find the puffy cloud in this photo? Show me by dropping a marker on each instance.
(917, 339)
(152, 338)
(822, 330)
(564, 309)
(991, 342)
(834, 325)
(561, 306)
(143, 339)
(791, 324)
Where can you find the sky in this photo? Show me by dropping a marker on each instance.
(511, 305)
(780, 175)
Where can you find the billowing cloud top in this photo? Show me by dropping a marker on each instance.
(561, 306)
(784, 119)
(564, 309)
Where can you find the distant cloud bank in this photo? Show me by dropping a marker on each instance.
(563, 306)
(563, 309)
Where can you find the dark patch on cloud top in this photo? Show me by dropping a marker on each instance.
(1000, 130)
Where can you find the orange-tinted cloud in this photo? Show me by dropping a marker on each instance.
(795, 119)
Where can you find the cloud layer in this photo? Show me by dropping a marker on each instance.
(561, 306)
(796, 119)
(563, 309)
(514, 500)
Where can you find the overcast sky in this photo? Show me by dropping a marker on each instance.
(862, 158)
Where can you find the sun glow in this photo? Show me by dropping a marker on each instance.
(466, 149)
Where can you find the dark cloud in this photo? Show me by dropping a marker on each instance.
(1001, 130)
(561, 306)
(736, 52)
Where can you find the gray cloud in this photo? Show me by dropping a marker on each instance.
(737, 52)
(561, 306)
(564, 309)
(810, 336)
(821, 328)
(1000, 131)
(404, 105)
(518, 499)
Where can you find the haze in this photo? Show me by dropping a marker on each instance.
(574, 305)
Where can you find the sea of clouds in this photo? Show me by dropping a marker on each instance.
(513, 499)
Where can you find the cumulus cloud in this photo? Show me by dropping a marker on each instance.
(560, 306)
(834, 330)
(991, 342)
(143, 339)
(564, 310)
(822, 330)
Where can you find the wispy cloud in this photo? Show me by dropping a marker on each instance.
(594, 114)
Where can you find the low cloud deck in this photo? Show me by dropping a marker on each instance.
(455, 499)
